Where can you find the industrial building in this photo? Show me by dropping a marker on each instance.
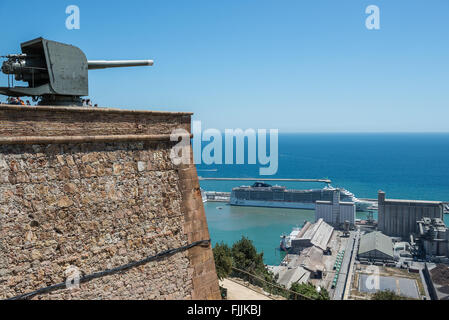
(375, 246)
(403, 250)
(311, 259)
(335, 212)
(317, 234)
(398, 218)
(434, 237)
(305, 260)
(287, 275)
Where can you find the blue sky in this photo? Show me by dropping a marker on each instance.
(298, 66)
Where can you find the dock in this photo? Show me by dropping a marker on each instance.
(263, 179)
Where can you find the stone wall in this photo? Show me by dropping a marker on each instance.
(95, 189)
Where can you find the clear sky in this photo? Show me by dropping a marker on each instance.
(298, 66)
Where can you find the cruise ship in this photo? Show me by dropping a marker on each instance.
(264, 195)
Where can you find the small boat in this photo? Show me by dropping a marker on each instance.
(203, 195)
(286, 241)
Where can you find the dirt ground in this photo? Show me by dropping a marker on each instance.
(238, 292)
(440, 275)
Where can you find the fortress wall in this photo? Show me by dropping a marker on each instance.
(97, 192)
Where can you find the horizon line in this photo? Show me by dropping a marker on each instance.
(366, 132)
(351, 132)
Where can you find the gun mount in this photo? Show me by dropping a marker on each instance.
(57, 73)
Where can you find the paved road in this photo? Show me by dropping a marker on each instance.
(238, 292)
(345, 268)
(349, 277)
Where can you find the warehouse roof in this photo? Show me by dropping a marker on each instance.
(412, 202)
(289, 276)
(318, 233)
(376, 241)
(312, 259)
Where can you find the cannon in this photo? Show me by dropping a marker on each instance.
(56, 73)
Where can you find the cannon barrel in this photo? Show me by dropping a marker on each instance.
(103, 64)
(56, 73)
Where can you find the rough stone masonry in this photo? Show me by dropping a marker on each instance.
(96, 189)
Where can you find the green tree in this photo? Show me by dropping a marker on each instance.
(223, 260)
(245, 257)
(310, 291)
(386, 295)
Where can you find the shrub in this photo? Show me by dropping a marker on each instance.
(245, 257)
(386, 295)
(310, 291)
(223, 260)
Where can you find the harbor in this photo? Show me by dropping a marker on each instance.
(331, 270)
(376, 239)
(330, 253)
(219, 196)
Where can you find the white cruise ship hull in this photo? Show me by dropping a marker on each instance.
(272, 204)
(360, 206)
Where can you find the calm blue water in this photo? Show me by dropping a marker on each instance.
(407, 166)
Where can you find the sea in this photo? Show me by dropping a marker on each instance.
(404, 165)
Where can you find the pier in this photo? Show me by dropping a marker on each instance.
(262, 179)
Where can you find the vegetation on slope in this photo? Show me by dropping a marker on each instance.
(387, 295)
(310, 291)
(243, 261)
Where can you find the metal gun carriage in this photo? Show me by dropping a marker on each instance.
(56, 73)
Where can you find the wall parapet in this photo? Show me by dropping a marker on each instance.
(20, 121)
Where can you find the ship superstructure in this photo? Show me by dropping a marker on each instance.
(261, 194)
